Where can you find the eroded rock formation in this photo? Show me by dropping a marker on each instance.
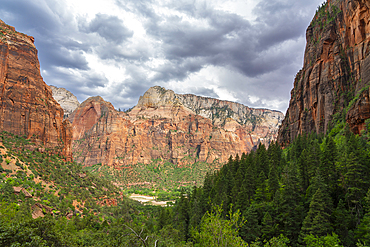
(163, 125)
(27, 106)
(336, 68)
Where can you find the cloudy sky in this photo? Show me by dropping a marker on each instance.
(246, 51)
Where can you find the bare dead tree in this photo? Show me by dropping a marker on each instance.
(140, 237)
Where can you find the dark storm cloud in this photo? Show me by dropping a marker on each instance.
(128, 93)
(28, 15)
(178, 69)
(61, 56)
(206, 92)
(55, 33)
(87, 80)
(121, 53)
(109, 27)
(229, 39)
(263, 53)
(282, 20)
(255, 49)
(43, 21)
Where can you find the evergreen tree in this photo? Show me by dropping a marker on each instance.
(261, 188)
(313, 158)
(290, 207)
(251, 230)
(363, 230)
(356, 177)
(243, 199)
(297, 148)
(343, 224)
(182, 216)
(273, 182)
(327, 166)
(317, 221)
(196, 209)
(262, 162)
(269, 227)
(207, 193)
(318, 182)
(237, 185)
(249, 182)
(303, 169)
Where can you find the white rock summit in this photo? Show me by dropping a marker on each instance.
(66, 100)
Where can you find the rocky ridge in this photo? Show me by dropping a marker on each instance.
(66, 99)
(27, 107)
(333, 82)
(218, 111)
(163, 126)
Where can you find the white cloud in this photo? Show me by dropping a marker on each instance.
(239, 50)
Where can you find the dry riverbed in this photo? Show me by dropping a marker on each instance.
(150, 200)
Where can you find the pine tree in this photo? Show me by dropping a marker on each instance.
(269, 227)
(237, 185)
(251, 230)
(249, 183)
(207, 193)
(328, 158)
(363, 230)
(356, 177)
(318, 182)
(297, 148)
(303, 170)
(317, 221)
(273, 182)
(261, 188)
(262, 162)
(313, 158)
(243, 199)
(290, 205)
(274, 153)
(343, 224)
(196, 209)
(182, 216)
(163, 218)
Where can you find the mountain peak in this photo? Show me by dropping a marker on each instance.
(156, 96)
(66, 99)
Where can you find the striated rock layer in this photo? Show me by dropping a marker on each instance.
(66, 99)
(26, 103)
(164, 125)
(336, 69)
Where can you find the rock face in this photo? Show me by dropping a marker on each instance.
(336, 69)
(66, 99)
(26, 103)
(163, 125)
(260, 123)
(359, 112)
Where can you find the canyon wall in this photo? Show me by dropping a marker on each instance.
(335, 73)
(27, 107)
(182, 129)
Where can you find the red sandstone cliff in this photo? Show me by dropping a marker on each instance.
(336, 68)
(26, 103)
(163, 126)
